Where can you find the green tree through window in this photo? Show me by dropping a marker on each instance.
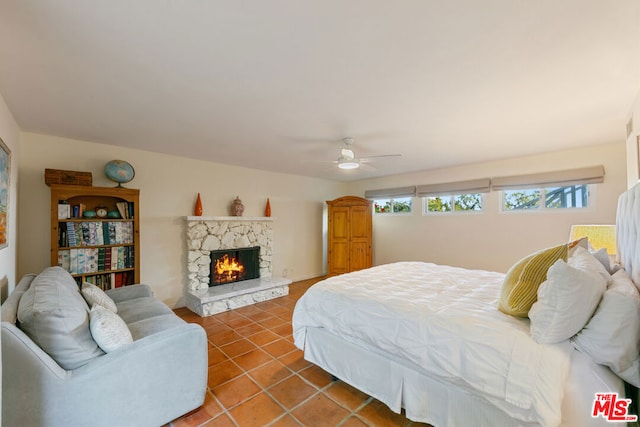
(438, 204)
(454, 203)
(571, 196)
(468, 202)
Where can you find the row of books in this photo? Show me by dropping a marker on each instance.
(94, 233)
(93, 260)
(107, 281)
(125, 209)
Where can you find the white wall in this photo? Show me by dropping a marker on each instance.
(492, 240)
(168, 187)
(633, 141)
(10, 134)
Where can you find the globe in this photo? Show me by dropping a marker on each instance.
(119, 171)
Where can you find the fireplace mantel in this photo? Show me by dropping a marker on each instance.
(229, 218)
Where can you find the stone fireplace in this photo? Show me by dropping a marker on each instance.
(231, 235)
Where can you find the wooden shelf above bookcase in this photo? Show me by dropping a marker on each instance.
(98, 235)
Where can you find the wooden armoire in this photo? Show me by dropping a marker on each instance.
(349, 235)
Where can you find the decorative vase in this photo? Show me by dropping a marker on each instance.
(197, 210)
(267, 209)
(238, 208)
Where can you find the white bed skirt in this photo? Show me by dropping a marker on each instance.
(425, 399)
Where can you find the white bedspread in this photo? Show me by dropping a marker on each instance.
(444, 320)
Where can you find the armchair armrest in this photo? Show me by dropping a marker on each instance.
(129, 292)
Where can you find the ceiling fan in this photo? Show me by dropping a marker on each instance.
(348, 159)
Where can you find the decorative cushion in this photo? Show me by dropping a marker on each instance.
(582, 259)
(108, 329)
(612, 336)
(603, 257)
(622, 283)
(520, 287)
(566, 302)
(95, 295)
(56, 317)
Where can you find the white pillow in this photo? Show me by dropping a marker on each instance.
(566, 301)
(108, 329)
(612, 336)
(94, 295)
(603, 257)
(622, 283)
(582, 259)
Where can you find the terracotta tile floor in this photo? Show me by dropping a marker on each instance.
(257, 377)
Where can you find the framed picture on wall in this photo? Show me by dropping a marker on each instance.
(5, 175)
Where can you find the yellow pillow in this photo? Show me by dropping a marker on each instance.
(520, 287)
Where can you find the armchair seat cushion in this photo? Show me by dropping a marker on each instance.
(142, 308)
(145, 327)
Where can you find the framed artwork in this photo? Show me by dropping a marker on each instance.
(5, 175)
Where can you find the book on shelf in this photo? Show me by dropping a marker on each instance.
(81, 260)
(71, 234)
(63, 260)
(114, 258)
(64, 210)
(91, 260)
(101, 258)
(78, 210)
(62, 235)
(107, 258)
(123, 209)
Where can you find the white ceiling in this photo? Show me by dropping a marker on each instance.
(276, 84)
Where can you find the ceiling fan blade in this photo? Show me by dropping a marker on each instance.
(367, 166)
(366, 159)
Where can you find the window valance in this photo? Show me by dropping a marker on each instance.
(390, 193)
(588, 175)
(482, 185)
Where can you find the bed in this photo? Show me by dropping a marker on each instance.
(431, 340)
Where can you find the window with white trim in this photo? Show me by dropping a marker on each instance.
(455, 203)
(562, 197)
(397, 205)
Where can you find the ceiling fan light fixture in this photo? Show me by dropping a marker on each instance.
(348, 164)
(347, 154)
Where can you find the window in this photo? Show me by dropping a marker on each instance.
(565, 197)
(454, 203)
(391, 206)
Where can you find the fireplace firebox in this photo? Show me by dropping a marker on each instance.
(234, 265)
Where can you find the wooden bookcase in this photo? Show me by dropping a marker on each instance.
(349, 235)
(97, 240)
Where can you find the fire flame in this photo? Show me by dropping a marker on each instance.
(228, 269)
